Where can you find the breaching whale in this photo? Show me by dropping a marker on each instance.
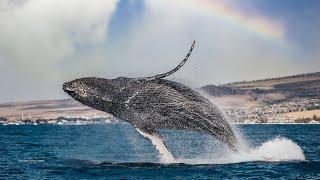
(153, 103)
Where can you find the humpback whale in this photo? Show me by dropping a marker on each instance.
(153, 103)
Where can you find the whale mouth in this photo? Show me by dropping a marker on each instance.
(70, 93)
(68, 90)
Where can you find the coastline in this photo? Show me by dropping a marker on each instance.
(115, 121)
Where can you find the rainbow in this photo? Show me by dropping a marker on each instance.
(257, 24)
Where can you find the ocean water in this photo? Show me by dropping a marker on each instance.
(118, 151)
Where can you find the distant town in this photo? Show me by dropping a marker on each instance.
(60, 121)
(297, 111)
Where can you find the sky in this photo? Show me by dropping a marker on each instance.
(44, 43)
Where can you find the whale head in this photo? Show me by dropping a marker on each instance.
(94, 92)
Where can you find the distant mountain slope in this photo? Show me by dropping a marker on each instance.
(271, 82)
(303, 85)
(221, 90)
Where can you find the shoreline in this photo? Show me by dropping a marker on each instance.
(117, 121)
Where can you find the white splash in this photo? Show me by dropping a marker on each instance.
(165, 155)
(278, 149)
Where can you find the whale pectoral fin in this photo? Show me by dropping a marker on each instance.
(159, 76)
(159, 143)
(147, 133)
(150, 134)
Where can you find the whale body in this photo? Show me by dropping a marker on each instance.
(153, 103)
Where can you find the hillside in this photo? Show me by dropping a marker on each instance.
(271, 90)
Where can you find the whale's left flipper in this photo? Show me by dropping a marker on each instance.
(159, 143)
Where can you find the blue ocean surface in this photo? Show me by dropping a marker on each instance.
(118, 151)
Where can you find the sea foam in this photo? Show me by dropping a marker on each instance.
(275, 150)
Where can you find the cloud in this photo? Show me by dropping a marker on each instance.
(43, 32)
(37, 35)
